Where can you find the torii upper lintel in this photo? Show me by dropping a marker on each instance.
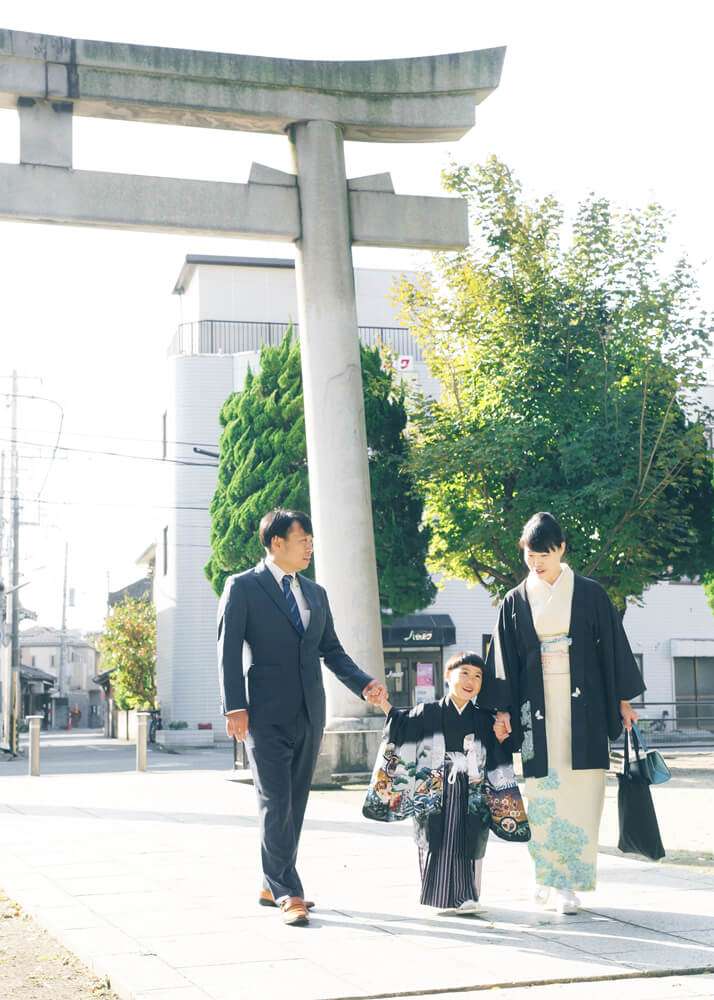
(423, 99)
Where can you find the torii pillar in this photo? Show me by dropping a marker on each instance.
(318, 105)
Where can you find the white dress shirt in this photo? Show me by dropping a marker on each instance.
(278, 573)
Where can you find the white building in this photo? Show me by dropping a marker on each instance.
(230, 307)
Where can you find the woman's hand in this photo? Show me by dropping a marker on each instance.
(629, 715)
(502, 726)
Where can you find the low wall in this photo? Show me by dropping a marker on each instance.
(124, 724)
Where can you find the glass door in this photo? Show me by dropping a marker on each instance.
(413, 676)
(397, 676)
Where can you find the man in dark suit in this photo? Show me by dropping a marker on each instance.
(280, 622)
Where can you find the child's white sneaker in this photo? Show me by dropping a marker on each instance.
(470, 906)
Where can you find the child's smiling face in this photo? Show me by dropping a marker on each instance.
(465, 681)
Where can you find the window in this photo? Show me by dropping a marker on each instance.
(166, 550)
(694, 690)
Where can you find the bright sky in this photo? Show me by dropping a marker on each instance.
(600, 96)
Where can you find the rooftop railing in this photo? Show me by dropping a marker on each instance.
(219, 336)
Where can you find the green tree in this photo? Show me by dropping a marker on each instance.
(263, 464)
(128, 647)
(570, 375)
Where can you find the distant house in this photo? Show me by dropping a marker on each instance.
(75, 696)
(36, 688)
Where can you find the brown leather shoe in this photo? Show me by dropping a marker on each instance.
(294, 911)
(266, 899)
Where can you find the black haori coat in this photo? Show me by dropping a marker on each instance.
(603, 672)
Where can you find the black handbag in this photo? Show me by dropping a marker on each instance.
(639, 830)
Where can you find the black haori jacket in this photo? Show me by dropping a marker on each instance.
(603, 672)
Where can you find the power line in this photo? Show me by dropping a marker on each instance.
(14, 396)
(118, 454)
(122, 437)
(91, 503)
(54, 453)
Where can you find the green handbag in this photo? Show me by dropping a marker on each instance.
(648, 765)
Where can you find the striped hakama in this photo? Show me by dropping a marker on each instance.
(449, 876)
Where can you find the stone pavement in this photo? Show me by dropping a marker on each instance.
(151, 879)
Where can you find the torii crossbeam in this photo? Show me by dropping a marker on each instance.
(318, 105)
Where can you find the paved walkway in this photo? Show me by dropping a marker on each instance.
(151, 880)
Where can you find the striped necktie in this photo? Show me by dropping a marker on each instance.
(293, 608)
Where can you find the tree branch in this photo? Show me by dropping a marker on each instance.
(655, 446)
(642, 428)
(482, 569)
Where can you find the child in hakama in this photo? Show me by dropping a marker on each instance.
(441, 764)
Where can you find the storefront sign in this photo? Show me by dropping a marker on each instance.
(419, 630)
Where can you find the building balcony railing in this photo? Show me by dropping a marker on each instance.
(218, 336)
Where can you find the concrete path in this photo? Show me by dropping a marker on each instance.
(152, 878)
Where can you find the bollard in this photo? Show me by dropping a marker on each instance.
(34, 762)
(142, 731)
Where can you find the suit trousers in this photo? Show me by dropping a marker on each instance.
(282, 760)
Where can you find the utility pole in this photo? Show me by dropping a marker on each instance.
(5, 673)
(2, 512)
(10, 707)
(11, 653)
(63, 636)
(5, 664)
(15, 570)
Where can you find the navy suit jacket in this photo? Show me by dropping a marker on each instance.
(285, 670)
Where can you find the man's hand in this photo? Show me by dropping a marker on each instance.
(502, 726)
(375, 693)
(629, 715)
(237, 724)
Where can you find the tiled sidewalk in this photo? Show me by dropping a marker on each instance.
(151, 879)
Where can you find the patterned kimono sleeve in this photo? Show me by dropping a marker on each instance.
(404, 725)
(391, 791)
(508, 815)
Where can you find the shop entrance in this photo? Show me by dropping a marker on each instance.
(413, 675)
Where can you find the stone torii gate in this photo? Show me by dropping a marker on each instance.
(318, 105)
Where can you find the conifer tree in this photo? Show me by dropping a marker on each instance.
(263, 464)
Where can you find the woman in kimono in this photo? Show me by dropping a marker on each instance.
(441, 764)
(562, 675)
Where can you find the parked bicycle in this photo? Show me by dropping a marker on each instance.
(154, 724)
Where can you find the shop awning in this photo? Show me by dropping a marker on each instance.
(419, 630)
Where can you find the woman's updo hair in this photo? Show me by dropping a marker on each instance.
(542, 533)
(461, 659)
